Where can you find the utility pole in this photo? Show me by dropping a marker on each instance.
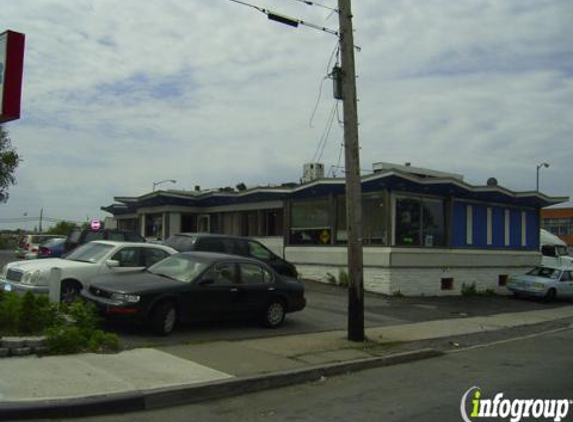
(41, 216)
(353, 180)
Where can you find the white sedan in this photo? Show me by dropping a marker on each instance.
(544, 281)
(77, 268)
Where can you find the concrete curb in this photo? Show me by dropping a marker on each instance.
(165, 397)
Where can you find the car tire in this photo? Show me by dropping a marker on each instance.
(163, 319)
(274, 314)
(69, 291)
(550, 295)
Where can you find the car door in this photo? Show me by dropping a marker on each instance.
(566, 284)
(256, 286)
(152, 255)
(214, 294)
(130, 260)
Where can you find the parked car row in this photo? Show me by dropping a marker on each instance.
(37, 246)
(190, 277)
(29, 244)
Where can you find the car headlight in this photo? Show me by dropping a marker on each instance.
(27, 278)
(36, 277)
(538, 285)
(125, 297)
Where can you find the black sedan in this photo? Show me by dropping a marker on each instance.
(193, 286)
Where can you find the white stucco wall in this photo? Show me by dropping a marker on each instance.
(416, 272)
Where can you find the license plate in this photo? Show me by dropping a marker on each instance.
(7, 287)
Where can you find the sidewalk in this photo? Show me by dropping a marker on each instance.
(154, 377)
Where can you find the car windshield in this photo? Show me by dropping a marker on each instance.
(90, 252)
(53, 242)
(180, 268)
(545, 272)
(181, 243)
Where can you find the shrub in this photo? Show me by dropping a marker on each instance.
(65, 340)
(343, 279)
(80, 333)
(101, 341)
(10, 307)
(68, 329)
(469, 289)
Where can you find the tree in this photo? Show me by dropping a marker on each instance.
(63, 227)
(9, 160)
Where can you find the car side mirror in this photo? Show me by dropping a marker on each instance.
(206, 282)
(112, 263)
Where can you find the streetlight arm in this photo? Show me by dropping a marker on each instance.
(163, 181)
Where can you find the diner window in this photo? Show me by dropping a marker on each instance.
(373, 219)
(419, 222)
(310, 222)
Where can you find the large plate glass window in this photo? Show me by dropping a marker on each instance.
(419, 222)
(374, 227)
(310, 222)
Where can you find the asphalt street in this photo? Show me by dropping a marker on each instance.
(326, 311)
(538, 367)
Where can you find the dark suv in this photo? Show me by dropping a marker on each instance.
(80, 236)
(243, 246)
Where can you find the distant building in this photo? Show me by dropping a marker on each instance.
(559, 221)
(424, 232)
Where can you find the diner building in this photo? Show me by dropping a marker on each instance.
(424, 232)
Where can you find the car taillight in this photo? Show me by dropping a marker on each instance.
(26, 246)
(34, 250)
(45, 252)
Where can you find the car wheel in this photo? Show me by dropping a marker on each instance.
(550, 295)
(163, 319)
(69, 292)
(274, 314)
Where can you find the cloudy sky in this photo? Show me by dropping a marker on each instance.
(120, 94)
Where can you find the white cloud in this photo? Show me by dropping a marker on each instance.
(120, 94)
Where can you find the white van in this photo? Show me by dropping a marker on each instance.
(554, 250)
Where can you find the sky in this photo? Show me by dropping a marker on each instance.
(118, 95)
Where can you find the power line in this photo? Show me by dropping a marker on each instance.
(277, 17)
(325, 134)
(313, 3)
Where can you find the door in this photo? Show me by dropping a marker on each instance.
(566, 284)
(214, 295)
(256, 286)
(204, 223)
(130, 260)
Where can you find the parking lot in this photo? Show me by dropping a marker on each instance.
(325, 311)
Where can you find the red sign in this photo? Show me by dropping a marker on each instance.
(96, 225)
(11, 70)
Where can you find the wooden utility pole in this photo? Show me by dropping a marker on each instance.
(353, 181)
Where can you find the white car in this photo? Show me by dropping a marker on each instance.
(543, 281)
(77, 268)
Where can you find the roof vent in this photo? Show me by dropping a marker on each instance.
(312, 171)
(492, 181)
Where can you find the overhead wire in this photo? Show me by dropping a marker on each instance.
(286, 19)
(313, 3)
(335, 53)
(325, 134)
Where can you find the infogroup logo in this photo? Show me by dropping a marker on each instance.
(514, 409)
